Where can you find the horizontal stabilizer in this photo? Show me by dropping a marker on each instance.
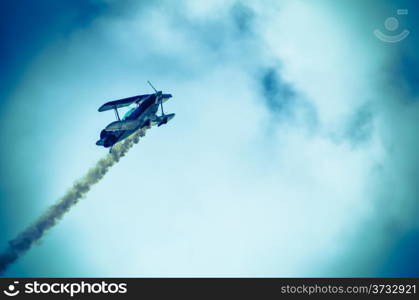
(123, 102)
(123, 125)
(164, 119)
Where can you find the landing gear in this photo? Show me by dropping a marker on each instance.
(147, 124)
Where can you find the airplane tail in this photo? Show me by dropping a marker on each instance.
(164, 119)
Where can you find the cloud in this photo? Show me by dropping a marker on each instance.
(277, 94)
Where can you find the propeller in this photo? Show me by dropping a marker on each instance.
(158, 95)
(152, 86)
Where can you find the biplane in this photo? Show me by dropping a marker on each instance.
(143, 115)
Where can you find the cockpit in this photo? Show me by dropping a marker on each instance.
(128, 113)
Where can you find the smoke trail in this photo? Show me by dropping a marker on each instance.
(24, 241)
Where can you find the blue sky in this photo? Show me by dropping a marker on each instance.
(292, 153)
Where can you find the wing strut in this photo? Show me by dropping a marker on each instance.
(116, 113)
(161, 105)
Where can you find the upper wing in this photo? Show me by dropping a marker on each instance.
(123, 102)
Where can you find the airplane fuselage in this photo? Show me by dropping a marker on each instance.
(146, 116)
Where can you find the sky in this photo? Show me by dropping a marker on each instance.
(293, 151)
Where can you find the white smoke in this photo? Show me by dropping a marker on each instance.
(27, 238)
